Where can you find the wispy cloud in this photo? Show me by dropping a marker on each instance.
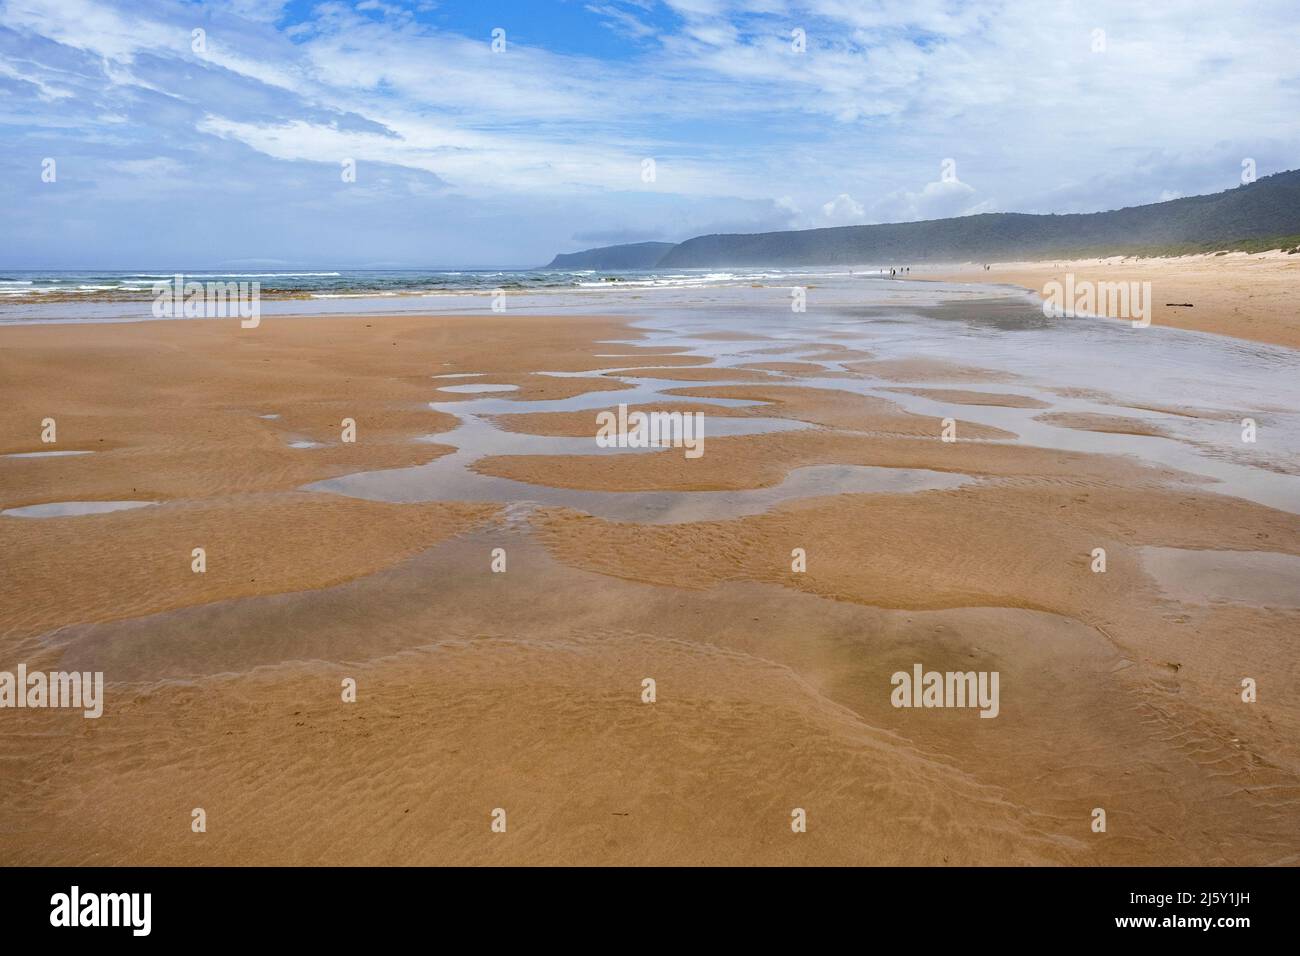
(762, 114)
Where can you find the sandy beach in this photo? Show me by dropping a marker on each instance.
(521, 689)
(1249, 296)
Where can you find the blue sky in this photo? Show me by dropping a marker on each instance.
(174, 154)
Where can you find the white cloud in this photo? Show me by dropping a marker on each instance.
(45, 90)
(713, 93)
(936, 200)
(843, 210)
(622, 21)
(154, 167)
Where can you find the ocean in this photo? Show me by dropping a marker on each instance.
(49, 295)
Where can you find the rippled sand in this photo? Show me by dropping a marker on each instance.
(479, 689)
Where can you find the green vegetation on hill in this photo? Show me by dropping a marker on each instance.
(1255, 217)
(637, 255)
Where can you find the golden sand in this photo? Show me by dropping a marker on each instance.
(523, 690)
(1245, 295)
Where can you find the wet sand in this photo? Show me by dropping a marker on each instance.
(522, 689)
(1253, 296)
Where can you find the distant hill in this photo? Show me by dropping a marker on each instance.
(637, 255)
(1267, 208)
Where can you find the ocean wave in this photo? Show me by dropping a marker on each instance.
(233, 275)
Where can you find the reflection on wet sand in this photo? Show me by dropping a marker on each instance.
(499, 652)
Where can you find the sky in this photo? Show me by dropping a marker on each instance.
(238, 133)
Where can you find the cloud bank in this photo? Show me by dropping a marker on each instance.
(196, 134)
